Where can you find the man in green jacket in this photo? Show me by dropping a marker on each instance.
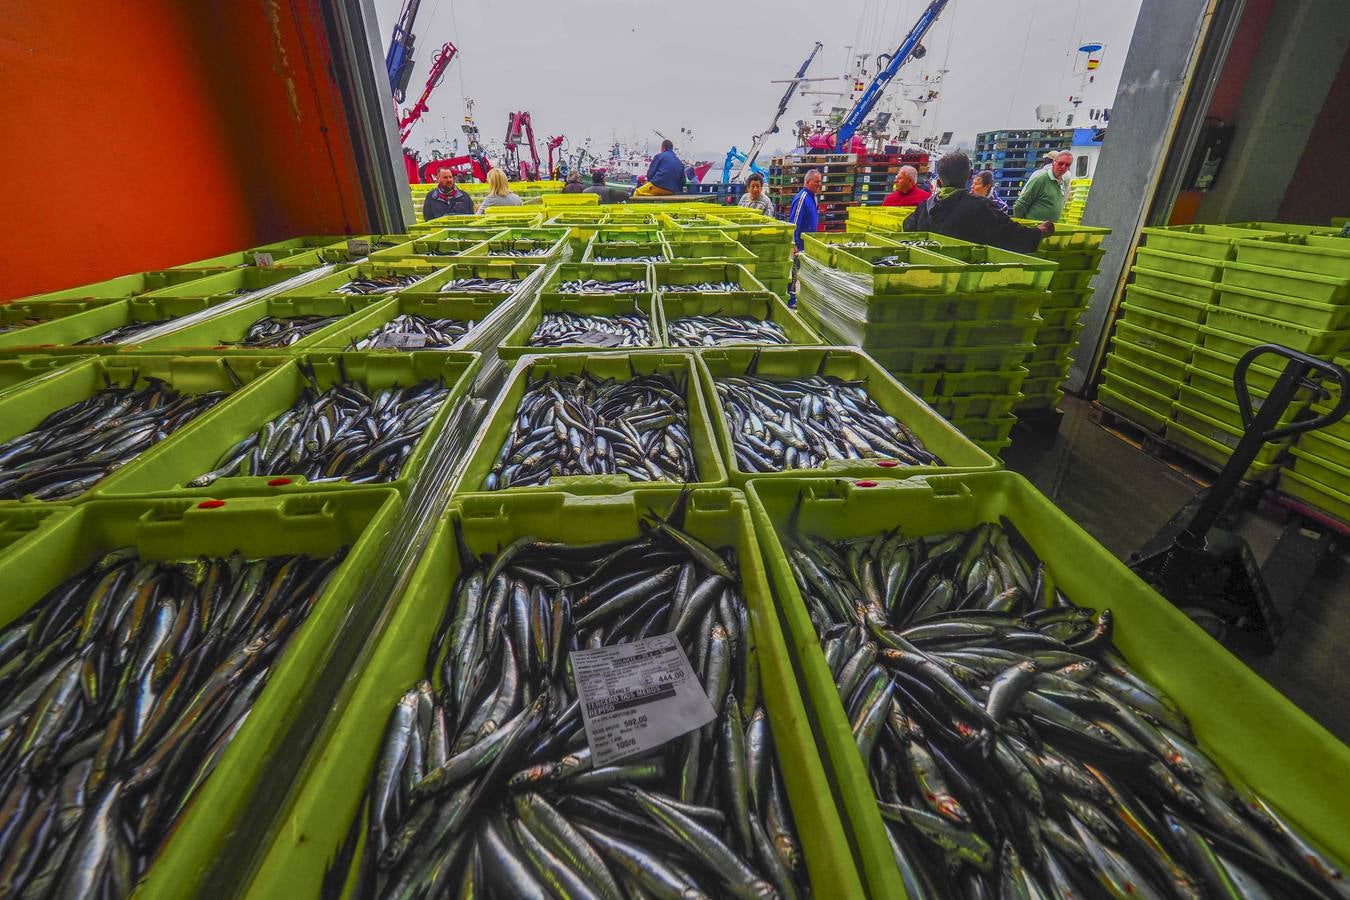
(1042, 199)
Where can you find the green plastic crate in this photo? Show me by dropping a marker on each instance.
(716, 251)
(435, 245)
(52, 330)
(1328, 499)
(1219, 439)
(937, 308)
(762, 305)
(470, 308)
(1067, 237)
(1123, 376)
(215, 335)
(1263, 329)
(1287, 228)
(178, 528)
(620, 367)
(331, 786)
(1329, 256)
(992, 269)
(995, 448)
(677, 273)
(1177, 286)
(1209, 241)
(21, 371)
(1184, 330)
(1074, 259)
(625, 252)
(1142, 415)
(198, 452)
(982, 429)
(948, 359)
(526, 272)
(1059, 336)
(1043, 386)
(1260, 378)
(1168, 304)
(622, 234)
(348, 249)
(822, 246)
(532, 239)
(1339, 430)
(959, 384)
(1322, 469)
(601, 272)
(120, 287)
(1307, 286)
(1061, 318)
(1044, 369)
(1043, 351)
(1201, 268)
(24, 407)
(231, 283)
(1252, 732)
(147, 308)
(1071, 281)
(923, 271)
(1166, 366)
(1065, 300)
(1297, 311)
(1216, 398)
(23, 526)
(1040, 402)
(924, 385)
(329, 284)
(975, 406)
(517, 343)
(955, 451)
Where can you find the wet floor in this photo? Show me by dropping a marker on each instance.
(1121, 496)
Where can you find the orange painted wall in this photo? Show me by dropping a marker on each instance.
(138, 134)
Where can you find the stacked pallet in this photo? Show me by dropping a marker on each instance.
(1014, 156)
(953, 321)
(838, 175)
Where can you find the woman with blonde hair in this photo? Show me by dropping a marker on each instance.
(499, 192)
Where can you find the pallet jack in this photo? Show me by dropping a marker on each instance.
(1211, 574)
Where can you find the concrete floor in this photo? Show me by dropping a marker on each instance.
(1122, 496)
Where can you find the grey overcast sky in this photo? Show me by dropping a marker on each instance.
(608, 69)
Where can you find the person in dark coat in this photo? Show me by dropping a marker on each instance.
(956, 212)
(446, 199)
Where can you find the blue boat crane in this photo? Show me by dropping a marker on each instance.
(398, 60)
(735, 156)
(910, 48)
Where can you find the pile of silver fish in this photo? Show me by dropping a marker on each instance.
(485, 785)
(582, 425)
(120, 690)
(561, 329)
(1012, 750)
(709, 331)
(482, 285)
(538, 250)
(271, 331)
(597, 286)
(801, 423)
(434, 332)
(620, 259)
(889, 262)
(25, 322)
(922, 244)
(719, 287)
(378, 284)
(122, 333)
(77, 446)
(343, 433)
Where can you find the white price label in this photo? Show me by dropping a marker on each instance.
(263, 260)
(400, 341)
(358, 247)
(637, 696)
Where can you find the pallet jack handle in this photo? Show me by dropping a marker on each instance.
(1262, 425)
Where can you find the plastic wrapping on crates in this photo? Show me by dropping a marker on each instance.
(834, 299)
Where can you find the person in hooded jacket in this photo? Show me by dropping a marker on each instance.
(956, 212)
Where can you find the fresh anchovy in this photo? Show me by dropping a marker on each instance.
(702, 287)
(580, 425)
(379, 284)
(921, 244)
(75, 447)
(560, 329)
(889, 261)
(135, 674)
(26, 322)
(515, 804)
(620, 259)
(270, 331)
(802, 423)
(521, 248)
(852, 244)
(342, 434)
(709, 331)
(482, 285)
(121, 333)
(598, 286)
(434, 332)
(1011, 749)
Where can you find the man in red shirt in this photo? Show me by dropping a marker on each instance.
(907, 191)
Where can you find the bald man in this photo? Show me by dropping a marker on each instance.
(907, 191)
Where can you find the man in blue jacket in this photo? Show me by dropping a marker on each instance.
(665, 175)
(803, 213)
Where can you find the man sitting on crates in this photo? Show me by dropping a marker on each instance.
(956, 212)
(907, 191)
(665, 175)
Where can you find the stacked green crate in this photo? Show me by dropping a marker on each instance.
(1278, 288)
(768, 239)
(953, 321)
(1320, 473)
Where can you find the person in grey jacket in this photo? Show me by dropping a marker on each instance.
(499, 192)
